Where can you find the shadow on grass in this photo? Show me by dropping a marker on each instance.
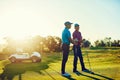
(106, 78)
(69, 78)
(13, 69)
(81, 74)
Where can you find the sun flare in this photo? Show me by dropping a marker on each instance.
(18, 36)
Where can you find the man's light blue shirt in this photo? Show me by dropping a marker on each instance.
(65, 36)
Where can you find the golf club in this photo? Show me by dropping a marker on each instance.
(89, 63)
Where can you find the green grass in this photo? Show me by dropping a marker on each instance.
(105, 65)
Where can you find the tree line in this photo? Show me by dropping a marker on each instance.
(107, 42)
(50, 44)
(36, 43)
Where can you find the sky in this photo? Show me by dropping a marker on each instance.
(97, 18)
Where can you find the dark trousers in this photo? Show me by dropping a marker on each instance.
(77, 54)
(65, 49)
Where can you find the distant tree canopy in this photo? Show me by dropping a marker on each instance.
(86, 43)
(49, 44)
(37, 43)
(107, 42)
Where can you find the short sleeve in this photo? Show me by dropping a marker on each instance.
(68, 34)
(74, 35)
(80, 36)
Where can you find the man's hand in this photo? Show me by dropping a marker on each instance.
(75, 41)
(71, 40)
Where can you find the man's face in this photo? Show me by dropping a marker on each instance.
(77, 28)
(69, 26)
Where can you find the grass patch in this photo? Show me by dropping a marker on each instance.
(105, 65)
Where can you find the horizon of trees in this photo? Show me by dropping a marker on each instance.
(107, 42)
(49, 44)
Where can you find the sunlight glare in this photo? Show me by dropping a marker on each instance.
(19, 36)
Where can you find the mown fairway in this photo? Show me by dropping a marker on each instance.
(105, 64)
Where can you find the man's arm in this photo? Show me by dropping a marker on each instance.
(71, 40)
(75, 38)
(80, 38)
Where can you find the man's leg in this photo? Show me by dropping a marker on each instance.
(81, 58)
(65, 49)
(75, 59)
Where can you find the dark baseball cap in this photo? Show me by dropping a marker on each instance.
(67, 23)
(76, 25)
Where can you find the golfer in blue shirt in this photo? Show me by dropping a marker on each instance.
(66, 40)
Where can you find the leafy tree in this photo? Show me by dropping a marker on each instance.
(53, 43)
(10, 47)
(97, 42)
(108, 41)
(86, 43)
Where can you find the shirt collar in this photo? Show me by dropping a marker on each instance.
(76, 31)
(66, 28)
